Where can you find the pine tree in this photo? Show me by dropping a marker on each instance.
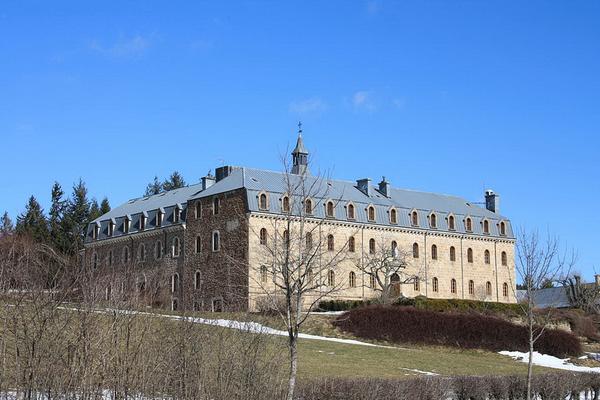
(33, 221)
(94, 210)
(154, 187)
(6, 225)
(56, 223)
(78, 216)
(104, 206)
(175, 181)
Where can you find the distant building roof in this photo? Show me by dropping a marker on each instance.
(555, 297)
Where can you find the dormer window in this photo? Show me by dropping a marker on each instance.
(176, 215)
(414, 218)
(371, 213)
(95, 232)
(486, 226)
(393, 216)
(159, 217)
(451, 224)
(142, 222)
(126, 225)
(469, 225)
(433, 221)
(329, 209)
(308, 206)
(285, 204)
(263, 203)
(350, 211)
(503, 228)
(111, 228)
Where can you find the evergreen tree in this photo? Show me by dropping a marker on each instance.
(78, 216)
(56, 223)
(33, 221)
(104, 206)
(6, 225)
(154, 187)
(94, 210)
(175, 181)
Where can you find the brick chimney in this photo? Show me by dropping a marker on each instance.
(384, 187)
(364, 185)
(492, 201)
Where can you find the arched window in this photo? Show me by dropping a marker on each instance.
(371, 246)
(197, 280)
(434, 284)
(352, 279)
(309, 275)
(505, 289)
(394, 248)
(502, 228)
(414, 218)
(174, 282)
(371, 213)
(469, 225)
(286, 238)
(330, 242)
(434, 255)
(451, 225)
(351, 244)
(453, 286)
(110, 258)
(329, 209)
(198, 209)
(198, 244)
(393, 216)
(488, 288)
(264, 277)
(309, 242)
(486, 256)
(471, 287)
(350, 210)
(372, 281)
(504, 259)
(174, 305)
(452, 253)
(158, 250)
(107, 293)
(486, 226)
(470, 255)
(415, 250)
(142, 252)
(216, 241)
(262, 202)
(417, 285)
(216, 205)
(433, 220)
(95, 260)
(125, 256)
(263, 236)
(331, 278)
(285, 204)
(308, 206)
(176, 247)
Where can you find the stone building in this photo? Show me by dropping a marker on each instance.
(203, 246)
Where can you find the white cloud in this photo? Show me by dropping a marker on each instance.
(363, 100)
(134, 46)
(313, 105)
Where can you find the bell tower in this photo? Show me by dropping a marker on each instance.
(300, 155)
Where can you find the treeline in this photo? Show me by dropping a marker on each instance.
(63, 227)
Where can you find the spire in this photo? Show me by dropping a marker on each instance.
(299, 155)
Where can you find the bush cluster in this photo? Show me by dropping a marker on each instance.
(341, 305)
(553, 386)
(411, 325)
(444, 305)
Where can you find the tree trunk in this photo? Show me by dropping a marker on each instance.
(293, 344)
(530, 363)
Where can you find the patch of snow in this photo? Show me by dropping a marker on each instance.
(327, 312)
(545, 360)
(420, 372)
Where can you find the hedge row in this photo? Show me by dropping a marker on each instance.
(411, 325)
(341, 305)
(553, 386)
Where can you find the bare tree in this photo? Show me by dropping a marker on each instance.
(387, 269)
(300, 259)
(582, 295)
(539, 261)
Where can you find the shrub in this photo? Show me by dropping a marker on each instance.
(444, 305)
(341, 305)
(411, 325)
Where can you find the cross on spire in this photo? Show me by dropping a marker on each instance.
(299, 126)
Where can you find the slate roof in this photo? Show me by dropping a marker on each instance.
(341, 192)
(555, 297)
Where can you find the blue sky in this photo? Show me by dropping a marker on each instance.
(442, 96)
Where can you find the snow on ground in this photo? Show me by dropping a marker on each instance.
(544, 360)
